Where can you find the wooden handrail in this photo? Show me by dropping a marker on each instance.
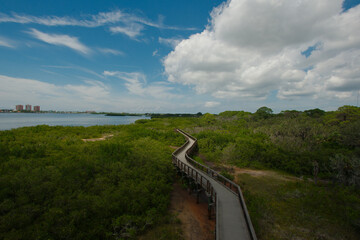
(186, 168)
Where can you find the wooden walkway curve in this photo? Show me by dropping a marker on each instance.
(231, 216)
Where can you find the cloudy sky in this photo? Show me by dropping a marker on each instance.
(179, 55)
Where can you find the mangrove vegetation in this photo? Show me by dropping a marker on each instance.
(54, 185)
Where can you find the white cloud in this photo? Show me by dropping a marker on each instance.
(101, 19)
(104, 18)
(4, 42)
(172, 42)
(155, 53)
(90, 91)
(61, 40)
(253, 47)
(132, 30)
(76, 68)
(70, 96)
(134, 81)
(136, 84)
(211, 104)
(88, 95)
(110, 51)
(131, 24)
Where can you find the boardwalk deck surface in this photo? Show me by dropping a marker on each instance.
(230, 219)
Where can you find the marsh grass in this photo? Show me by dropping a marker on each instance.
(299, 209)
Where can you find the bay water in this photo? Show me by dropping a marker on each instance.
(16, 120)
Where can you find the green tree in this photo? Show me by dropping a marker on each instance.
(346, 169)
(315, 113)
(350, 134)
(263, 113)
(348, 113)
(208, 118)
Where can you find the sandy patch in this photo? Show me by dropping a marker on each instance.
(194, 217)
(98, 139)
(259, 173)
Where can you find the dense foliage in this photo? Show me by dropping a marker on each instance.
(313, 142)
(172, 115)
(55, 186)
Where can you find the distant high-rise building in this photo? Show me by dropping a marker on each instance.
(19, 107)
(28, 107)
(37, 108)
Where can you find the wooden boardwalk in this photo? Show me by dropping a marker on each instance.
(232, 219)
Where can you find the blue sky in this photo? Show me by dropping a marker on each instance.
(179, 56)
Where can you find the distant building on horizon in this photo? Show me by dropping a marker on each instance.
(28, 107)
(19, 107)
(36, 108)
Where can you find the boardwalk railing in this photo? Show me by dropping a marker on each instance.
(198, 178)
(194, 173)
(233, 187)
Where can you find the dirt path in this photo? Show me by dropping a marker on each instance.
(194, 217)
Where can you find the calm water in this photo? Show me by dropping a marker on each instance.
(15, 120)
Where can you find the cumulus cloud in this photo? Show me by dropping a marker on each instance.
(251, 48)
(60, 40)
(136, 84)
